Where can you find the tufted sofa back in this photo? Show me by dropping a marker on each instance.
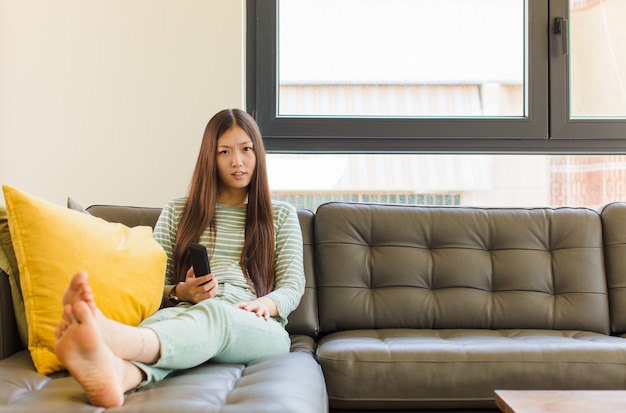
(388, 266)
(614, 234)
(392, 266)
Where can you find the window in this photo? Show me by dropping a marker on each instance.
(307, 181)
(368, 60)
(447, 102)
(454, 76)
(588, 69)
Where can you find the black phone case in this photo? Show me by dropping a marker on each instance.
(199, 259)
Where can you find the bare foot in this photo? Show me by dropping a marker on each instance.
(90, 361)
(126, 342)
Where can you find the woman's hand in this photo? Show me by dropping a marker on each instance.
(196, 289)
(262, 307)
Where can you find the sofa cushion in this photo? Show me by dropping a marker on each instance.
(8, 263)
(395, 266)
(458, 368)
(289, 383)
(126, 267)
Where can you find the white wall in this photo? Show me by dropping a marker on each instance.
(106, 100)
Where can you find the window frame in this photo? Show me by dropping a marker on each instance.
(535, 133)
(561, 124)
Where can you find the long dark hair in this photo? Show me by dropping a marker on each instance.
(258, 255)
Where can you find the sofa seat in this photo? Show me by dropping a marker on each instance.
(286, 383)
(448, 368)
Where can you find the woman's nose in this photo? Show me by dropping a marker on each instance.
(236, 160)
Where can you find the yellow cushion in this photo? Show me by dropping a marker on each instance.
(126, 267)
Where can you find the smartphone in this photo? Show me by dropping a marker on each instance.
(199, 259)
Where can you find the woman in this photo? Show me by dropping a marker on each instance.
(255, 251)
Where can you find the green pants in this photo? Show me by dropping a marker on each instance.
(211, 330)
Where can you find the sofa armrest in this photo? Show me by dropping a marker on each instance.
(9, 338)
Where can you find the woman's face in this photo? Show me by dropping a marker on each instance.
(236, 160)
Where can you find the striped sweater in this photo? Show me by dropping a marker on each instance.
(230, 226)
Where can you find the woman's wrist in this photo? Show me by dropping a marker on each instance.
(174, 296)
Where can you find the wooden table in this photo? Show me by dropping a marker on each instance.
(557, 401)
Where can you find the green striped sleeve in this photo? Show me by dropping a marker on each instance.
(289, 278)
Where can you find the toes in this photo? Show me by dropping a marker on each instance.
(79, 280)
(79, 289)
(87, 296)
(82, 312)
(68, 315)
(61, 328)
